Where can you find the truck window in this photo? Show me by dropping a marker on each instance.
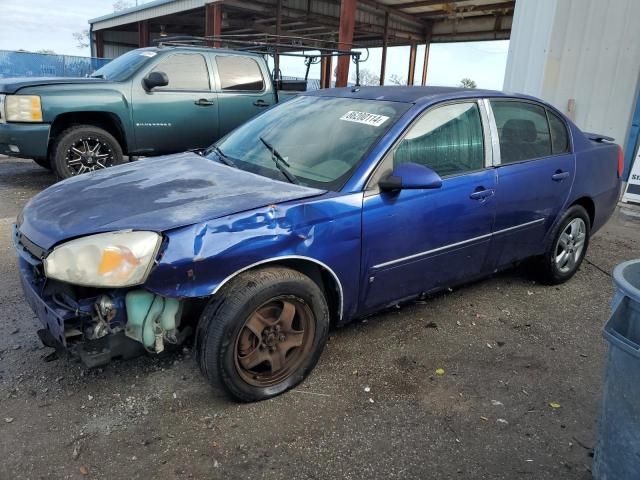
(239, 73)
(186, 71)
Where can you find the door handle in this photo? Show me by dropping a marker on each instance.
(261, 103)
(204, 102)
(559, 176)
(481, 193)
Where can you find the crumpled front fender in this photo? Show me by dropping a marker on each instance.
(326, 231)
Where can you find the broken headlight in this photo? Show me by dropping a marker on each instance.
(115, 259)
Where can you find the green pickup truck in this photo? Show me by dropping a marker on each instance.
(149, 101)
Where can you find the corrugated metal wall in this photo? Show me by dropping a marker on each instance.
(582, 50)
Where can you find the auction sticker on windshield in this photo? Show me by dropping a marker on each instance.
(363, 117)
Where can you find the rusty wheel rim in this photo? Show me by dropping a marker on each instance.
(274, 341)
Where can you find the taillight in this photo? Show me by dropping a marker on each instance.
(620, 162)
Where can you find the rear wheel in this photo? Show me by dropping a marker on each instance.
(84, 148)
(570, 239)
(263, 333)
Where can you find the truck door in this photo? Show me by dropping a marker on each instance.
(244, 90)
(181, 115)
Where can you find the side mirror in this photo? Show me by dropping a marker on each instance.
(155, 79)
(410, 176)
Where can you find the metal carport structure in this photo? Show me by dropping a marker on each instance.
(349, 23)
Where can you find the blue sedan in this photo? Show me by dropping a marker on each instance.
(329, 207)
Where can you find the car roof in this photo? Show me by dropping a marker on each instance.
(169, 48)
(415, 95)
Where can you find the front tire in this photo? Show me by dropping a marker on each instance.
(84, 148)
(263, 333)
(43, 162)
(568, 246)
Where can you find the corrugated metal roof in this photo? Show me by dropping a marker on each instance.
(146, 11)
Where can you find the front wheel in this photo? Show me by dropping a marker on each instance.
(570, 239)
(263, 333)
(84, 148)
(43, 162)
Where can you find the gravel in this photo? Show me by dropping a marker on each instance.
(506, 349)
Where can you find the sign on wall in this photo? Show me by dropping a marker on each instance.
(632, 193)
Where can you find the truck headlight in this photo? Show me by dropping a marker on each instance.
(23, 108)
(115, 259)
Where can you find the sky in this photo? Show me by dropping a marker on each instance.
(49, 24)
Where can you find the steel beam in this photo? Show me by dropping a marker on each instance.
(99, 43)
(412, 63)
(143, 34)
(385, 44)
(345, 39)
(213, 21)
(276, 56)
(326, 72)
(425, 64)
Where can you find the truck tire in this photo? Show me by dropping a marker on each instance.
(567, 248)
(262, 333)
(43, 162)
(84, 148)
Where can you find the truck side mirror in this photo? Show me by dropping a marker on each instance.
(155, 79)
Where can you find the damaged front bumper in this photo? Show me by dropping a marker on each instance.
(96, 325)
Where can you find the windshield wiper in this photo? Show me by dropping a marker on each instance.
(96, 76)
(223, 158)
(281, 163)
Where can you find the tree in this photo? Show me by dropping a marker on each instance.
(395, 79)
(122, 5)
(81, 38)
(467, 83)
(366, 78)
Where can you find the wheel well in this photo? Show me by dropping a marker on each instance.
(324, 278)
(107, 121)
(321, 275)
(589, 206)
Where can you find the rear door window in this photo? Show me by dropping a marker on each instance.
(186, 71)
(523, 130)
(239, 73)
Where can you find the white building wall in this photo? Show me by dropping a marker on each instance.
(582, 56)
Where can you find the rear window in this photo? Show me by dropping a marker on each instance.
(559, 136)
(239, 73)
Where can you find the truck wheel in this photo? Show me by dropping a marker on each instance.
(84, 148)
(262, 333)
(570, 239)
(43, 162)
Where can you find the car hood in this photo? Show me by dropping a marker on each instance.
(154, 194)
(12, 85)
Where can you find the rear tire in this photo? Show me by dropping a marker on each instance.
(567, 248)
(263, 333)
(84, 148)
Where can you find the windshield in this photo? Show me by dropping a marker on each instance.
(122, 67)
(314, 141)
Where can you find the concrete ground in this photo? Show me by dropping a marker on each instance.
(373, 407)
